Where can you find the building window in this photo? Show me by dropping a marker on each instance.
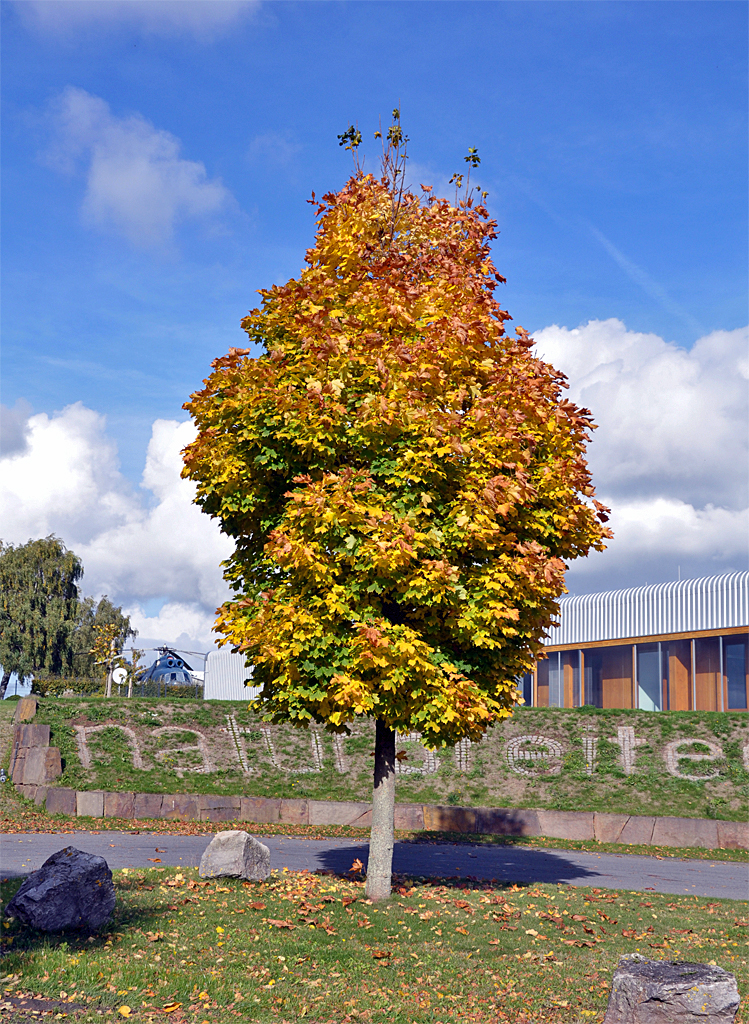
(608, 676)
(707, 673)
(650, 681)
(734, 665)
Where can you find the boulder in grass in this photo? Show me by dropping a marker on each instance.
(663, 992)
(72, 889)
(235, 854)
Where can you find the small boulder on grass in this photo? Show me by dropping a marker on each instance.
(235, 854)
(71, 889)
(647, 991)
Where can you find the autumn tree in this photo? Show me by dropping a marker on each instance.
(403, 479)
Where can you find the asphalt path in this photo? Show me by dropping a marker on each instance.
(22, 853)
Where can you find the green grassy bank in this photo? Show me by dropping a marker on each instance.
(220, 747)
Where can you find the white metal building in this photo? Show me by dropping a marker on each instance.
(673, 646)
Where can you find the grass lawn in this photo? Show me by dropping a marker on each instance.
(310, 947)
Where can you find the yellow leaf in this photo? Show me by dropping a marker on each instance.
(124, 1011)
(171, 1007)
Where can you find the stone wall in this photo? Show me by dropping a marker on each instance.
(606, 828)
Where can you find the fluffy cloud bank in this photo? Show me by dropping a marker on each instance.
(670, 453)
(669, 457)
(144, 548)
(137, 184)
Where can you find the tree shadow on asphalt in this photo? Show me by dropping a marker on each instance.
(488, 866)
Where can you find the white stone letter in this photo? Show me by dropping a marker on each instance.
(625, 740)
(546, 750)
(672, 756)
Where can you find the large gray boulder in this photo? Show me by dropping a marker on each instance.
(235, 854)
(663, 992)
(71, 889)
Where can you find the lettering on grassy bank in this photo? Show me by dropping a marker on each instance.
(188, 750)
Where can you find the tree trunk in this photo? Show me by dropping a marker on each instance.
(4, 684)
(380, 866)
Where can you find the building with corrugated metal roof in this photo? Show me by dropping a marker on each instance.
(226, 674)
(669, 647)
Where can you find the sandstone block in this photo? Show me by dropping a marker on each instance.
(235, 854)
(685, 832)
(607, 828)
(506, 821)
(89, 804)
(638, 829)
(330, 812)
(34, 735)
(180, 807)
(119, 805)
(61, 801)
(41, 765)
(445, 818)
(17, 765)
(41, 795)
(219, 808)
(733, 835)
(147, 805)
(409, 817)
(26, 709)
(662, 992)
(294, 812)
(71, 889)
(566, 824)
(261, 809)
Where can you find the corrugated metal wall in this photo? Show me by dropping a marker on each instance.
(714, 602)
(225, 673)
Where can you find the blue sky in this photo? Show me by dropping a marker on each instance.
(157, 159)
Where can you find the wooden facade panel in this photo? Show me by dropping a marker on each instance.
(679, 656)
(707, 674)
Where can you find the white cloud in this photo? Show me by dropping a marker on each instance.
(274, 149)
(185, 626)
(670, 453)
(137, 184)
(205, 20)
(135, 547)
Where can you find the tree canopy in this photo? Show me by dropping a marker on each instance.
(403, 479)
(45, 627)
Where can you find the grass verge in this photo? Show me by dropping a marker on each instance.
(310, 947)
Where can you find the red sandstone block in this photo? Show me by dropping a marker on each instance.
(733, 835)
(639, 829)
(409, 817)
(34, 735)
(147, 805)
(607, 828)
(685, 832)
(180, 807)
(26, 709)
(61, 801)
(344, 812)
(294, 812)
(439, 818)
(507, 821)
(41, 765)
(260, 809)
(566, 824)
(119, 805)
